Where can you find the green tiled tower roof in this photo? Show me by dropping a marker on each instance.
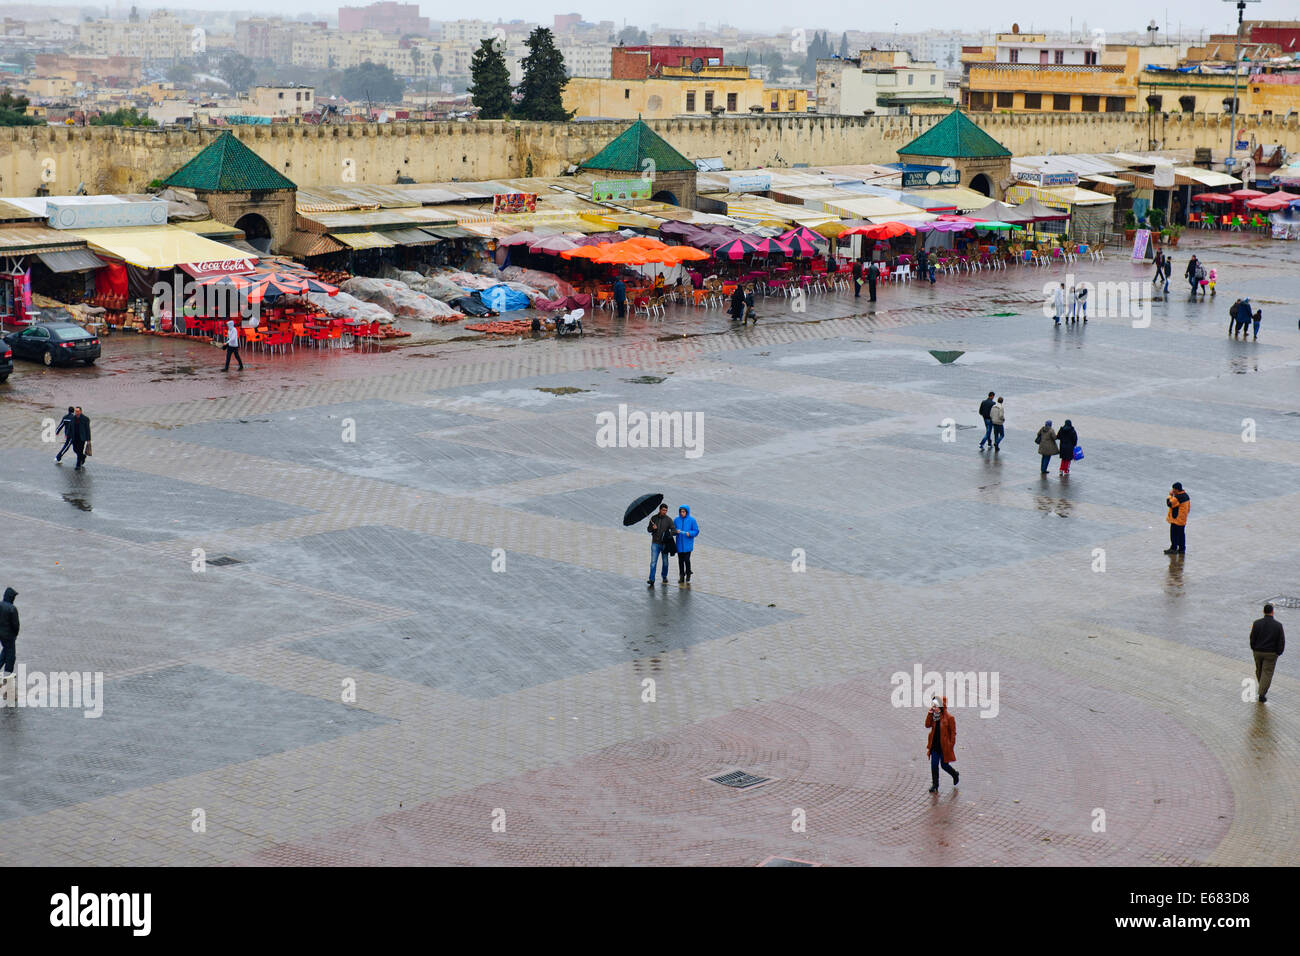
(628, 152)
(955, 136)
(228, 166)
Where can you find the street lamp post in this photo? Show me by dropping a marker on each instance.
(1236, 70)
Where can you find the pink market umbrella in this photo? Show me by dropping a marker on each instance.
(519, 239)
(799, 246)
(739, 248)
(553, 245)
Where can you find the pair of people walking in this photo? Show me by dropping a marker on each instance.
(75, 427)
(669, 536)
(1179, 503)
(995, 417)
(1240, 318)
(1052, 443)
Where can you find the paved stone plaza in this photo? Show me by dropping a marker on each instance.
(462, 563)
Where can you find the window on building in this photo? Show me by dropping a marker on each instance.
(794, 103)
(1033, 101)
(1006, 101)
(1090, 57)
(776, 104)
(731, 102)
(627, 94)
(1114, 104)
(690, 101)
(933, 77)
(1042, 57)
(1015, 56)
(1058, 57)
(911, 79)
(280, 94)
(1061, 101)
(708, 101)
(1091, 104)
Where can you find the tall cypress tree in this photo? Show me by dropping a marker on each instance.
(541, 94)
(491, 87)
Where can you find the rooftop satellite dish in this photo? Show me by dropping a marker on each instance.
(697, 64)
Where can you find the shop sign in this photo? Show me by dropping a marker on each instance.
(615, 189)
(217, 267)
(749, 184)
(509, 204)
(1048, 179)
(948, 176)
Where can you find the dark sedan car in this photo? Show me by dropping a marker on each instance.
(6, 361)
(54, 343)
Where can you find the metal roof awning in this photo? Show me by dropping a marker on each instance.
(362, 240)
(25, 239)
(243, 246)
(304, 244)
(71, 260)
(449, 232)
(410, 237)
(155, 247)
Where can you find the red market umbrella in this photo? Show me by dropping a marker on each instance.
(1212, 197)
(738, 248)
(1246, 194)
(883, 230)
(1273, 201)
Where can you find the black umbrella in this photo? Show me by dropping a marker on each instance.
(641, 509)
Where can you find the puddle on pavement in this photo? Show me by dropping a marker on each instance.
(81, 504)
(646, 380)
(563, 390)
(1061, 507)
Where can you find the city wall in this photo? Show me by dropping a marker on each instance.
(108, 159)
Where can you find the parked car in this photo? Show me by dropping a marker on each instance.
(6, 361)
(54, 343)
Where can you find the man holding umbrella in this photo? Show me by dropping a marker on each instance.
(663, 537)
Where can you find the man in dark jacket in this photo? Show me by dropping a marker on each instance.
(67, 435)
(986, 411)
(1179, 504)
(662, 532)
(857, 278)
(79, 434)
(1190, 274)
(873, 276)
(620, 297)
(9, 634)
(1267, 642)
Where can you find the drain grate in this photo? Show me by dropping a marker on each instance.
(223, 561)
(1284, 601)
(739, 780)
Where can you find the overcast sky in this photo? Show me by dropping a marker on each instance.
(837, 15)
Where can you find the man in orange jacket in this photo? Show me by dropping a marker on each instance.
(943, 737)
(1179, 505)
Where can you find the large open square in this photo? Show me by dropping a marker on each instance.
(433, 642)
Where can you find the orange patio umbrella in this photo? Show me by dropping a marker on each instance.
(644, 242)
(582, 252)
(687, 253)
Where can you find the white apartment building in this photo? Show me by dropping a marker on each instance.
(587, 59)
(884, 82)
(281, 100)
(161, 36)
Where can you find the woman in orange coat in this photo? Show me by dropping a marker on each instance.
(943, 738)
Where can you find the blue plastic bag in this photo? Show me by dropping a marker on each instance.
(1078, 453)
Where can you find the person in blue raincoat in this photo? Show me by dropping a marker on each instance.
(687, 530)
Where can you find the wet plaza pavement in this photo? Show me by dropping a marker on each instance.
(420, 633)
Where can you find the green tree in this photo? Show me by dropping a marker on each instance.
(437, 63)
(372, 82)
(237, 70)
(844, 46)
(181, 74)
(774, 62)
(13, 111)
(541, 94)
(490, 86)
(631, 36)
(126, 116)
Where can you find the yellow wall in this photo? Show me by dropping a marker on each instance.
(788, 100)
(109, 159)
(658, 98)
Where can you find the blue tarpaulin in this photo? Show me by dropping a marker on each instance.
(502, 298)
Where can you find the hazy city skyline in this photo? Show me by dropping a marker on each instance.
(1192, 18)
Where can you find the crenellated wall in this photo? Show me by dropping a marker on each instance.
(107, 159)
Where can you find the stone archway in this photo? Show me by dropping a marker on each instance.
(982, 184)
(664, 196)
(257, 231)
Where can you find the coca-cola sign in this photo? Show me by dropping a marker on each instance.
(217, 267)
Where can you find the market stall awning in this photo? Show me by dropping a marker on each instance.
(448, 232)
(211, 229)
(24, 239)
(156, 247)
(303, 244)
(363, 240)
(71, 260)
(410, 237)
